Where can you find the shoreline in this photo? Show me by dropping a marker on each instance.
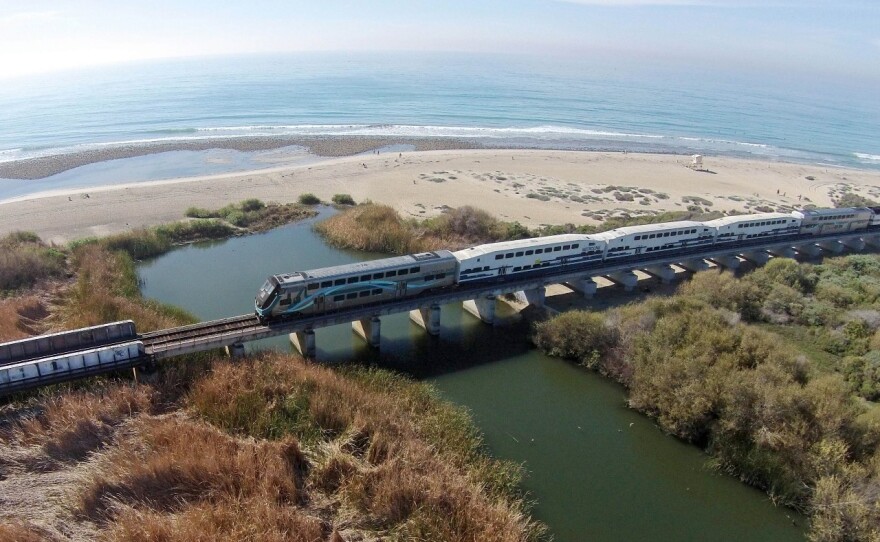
(32, 169)
(533, 187)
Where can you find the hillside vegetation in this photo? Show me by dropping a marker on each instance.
(269, 447)
(783, 411)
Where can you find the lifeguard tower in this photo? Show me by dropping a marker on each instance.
(697, 162)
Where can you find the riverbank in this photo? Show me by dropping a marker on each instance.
(529, 186)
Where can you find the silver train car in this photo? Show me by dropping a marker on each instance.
(20, 374)
(324, 290)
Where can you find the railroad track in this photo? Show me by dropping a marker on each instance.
(156, 340)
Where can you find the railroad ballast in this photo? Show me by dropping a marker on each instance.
(332, 288)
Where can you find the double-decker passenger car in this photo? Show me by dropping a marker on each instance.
(330, 288)
(825, 221)
(650, 238)
(488, 262)
(731, 229)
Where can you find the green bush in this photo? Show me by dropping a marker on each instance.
(25, 259)
(309, 199)
(343, 199)
(198, 212)
(576, 335)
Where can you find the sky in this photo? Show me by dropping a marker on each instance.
(838, 38)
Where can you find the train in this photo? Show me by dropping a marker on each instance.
(330, 289)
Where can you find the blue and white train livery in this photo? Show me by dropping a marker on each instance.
(333, 288)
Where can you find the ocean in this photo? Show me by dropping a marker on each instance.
(496, 100)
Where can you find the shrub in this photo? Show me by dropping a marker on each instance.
(576, 335)
(25, 260)
(309, 199)
(343, 199)
(198, 212)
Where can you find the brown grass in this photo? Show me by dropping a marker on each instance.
(21, 317)
(25, 260)
(376, 449)
(19, 532)
(378, 228)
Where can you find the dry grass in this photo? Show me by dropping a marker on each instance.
(383, 451)
(21, 317)
(19, 532)
(26, 260)
(106, 290)
(378, 228)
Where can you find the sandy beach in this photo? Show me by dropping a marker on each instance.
(531, 186)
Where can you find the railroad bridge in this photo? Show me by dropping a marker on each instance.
(43, 360)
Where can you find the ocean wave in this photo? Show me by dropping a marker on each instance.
(868, 157)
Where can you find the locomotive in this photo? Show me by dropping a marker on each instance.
(330, 289)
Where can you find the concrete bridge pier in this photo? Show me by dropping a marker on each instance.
(728, 262)
(872, 240)
(627, 279)
(427, 318)
(694, 266)
(782, 252)
(809, 250)
(665, 273)
(854, 244)
(482, 307)
(534, 297)
(834, 247)
(758, 258)
(586, 287)
(235, 350)
(304, 342)
(368, 329)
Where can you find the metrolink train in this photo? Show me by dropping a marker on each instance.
(330, 289)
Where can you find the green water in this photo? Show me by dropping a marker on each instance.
(597, 470)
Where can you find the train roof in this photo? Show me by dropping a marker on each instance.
(646, 228)
(737, 219)
(363, 267)
(835, 211)
(533, 242)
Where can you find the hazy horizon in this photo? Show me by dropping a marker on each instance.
(783, 39)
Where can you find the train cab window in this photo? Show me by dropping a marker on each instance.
(402, 272)
(365, 293)
(518, 254)
(508, 255)
(352, 280)
(390, 274)
(575, 245)
(313, 286)
(351, 295)
(539, 251)
(365, 278)
(557, 249)
(415, 269)
(377, 291)
(377, 276)
(529, 252)
(638, 237)
(499, 256)
(284, 301)
(327, 284)
(338, 298)
(339, 282)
